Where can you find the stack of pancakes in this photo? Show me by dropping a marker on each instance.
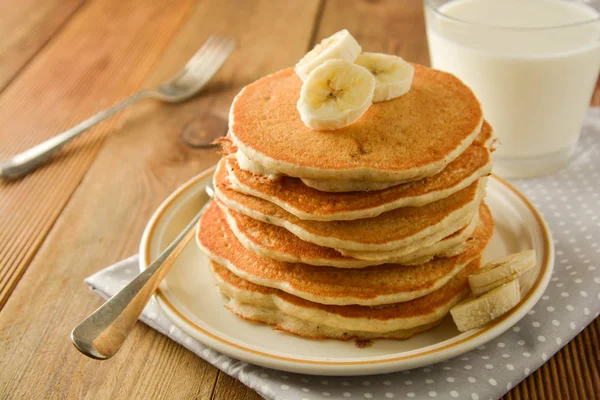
(369, 231)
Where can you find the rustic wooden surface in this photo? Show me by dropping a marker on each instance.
(60, 61)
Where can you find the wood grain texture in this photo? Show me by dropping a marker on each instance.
(387, 26)
(227, 388)
(140, 163)
(101, 56)
(572, 373)
(148, 153)
(26, 26)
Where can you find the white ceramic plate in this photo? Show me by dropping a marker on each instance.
(189, 298)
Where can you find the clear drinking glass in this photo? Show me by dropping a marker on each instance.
(533, 64)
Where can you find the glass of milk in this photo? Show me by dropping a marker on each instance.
(533, 64)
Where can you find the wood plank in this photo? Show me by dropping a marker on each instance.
(572, 373)
(42, 311)
(26, 26)
(83, 70)
(138, 166)
(387, 26)
(228, 388)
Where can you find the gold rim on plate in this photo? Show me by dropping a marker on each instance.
(145, 251)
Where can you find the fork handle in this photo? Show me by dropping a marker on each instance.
(24, 162)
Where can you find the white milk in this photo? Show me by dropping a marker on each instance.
(533, 64)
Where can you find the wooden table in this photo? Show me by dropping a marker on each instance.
(63, 60)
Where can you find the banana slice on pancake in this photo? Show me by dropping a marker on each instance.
(501, 271)
(393, 75)
(476, 312)
(335, 94)
(340, 45)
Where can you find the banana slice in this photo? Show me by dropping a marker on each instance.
(340, 45)
(501, 271)
(335, 94)
(476, 312)
(393, 75)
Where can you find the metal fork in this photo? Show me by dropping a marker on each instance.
(184, 84)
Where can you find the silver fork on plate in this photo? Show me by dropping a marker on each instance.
(184, 84)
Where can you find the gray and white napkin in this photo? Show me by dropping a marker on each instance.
(569, 200)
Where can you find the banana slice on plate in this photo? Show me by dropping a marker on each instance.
(476, 312)
(393, 75)
(340, 45)
(501, 271)
(335, 94)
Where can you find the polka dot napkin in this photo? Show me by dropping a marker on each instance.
(569, 201)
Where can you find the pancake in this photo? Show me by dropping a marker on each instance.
(353, 185)
(258, 304)
(279, 244)
(384, 284)
(283, 322)
(304, 202)
(485, 138)
(397, 228)
(408, 138)
(308, 319)
(424, 250)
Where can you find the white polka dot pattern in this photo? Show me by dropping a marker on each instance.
(569, 201)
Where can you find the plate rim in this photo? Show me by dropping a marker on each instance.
(477, 338)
